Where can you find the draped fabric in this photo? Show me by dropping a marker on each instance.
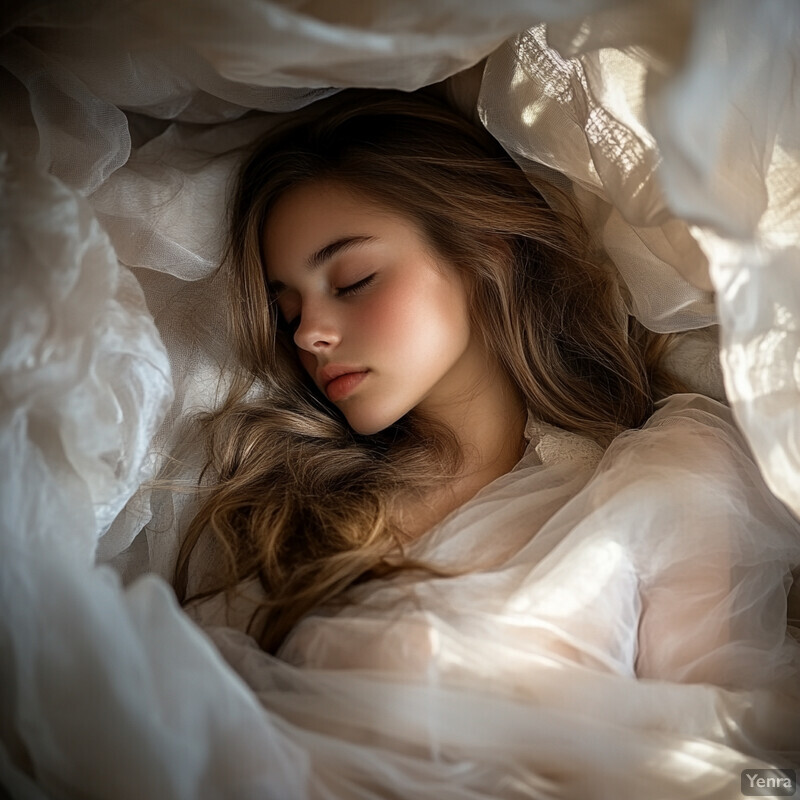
(624, 630)
(680, 130)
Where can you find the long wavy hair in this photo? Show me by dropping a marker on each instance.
(297, 499)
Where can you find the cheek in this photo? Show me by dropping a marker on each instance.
(391, 318)
(398, 320)
(421, 319)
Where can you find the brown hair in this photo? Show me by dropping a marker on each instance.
(300, 500)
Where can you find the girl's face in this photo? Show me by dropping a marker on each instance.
(380, 323)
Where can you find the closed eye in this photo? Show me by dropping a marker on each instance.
(354, 288)
(292, 325)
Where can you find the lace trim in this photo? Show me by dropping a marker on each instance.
(556, 446)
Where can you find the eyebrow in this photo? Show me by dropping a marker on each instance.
(326, 253)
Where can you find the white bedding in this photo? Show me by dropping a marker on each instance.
(679, 130)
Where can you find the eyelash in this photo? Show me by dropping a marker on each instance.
(354, 288)
(345, 291)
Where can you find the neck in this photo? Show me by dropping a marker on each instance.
(491, 428)
(487, 412)
(489, 419)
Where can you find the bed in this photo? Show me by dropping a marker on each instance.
(676, 129)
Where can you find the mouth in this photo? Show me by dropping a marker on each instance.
(339, 388)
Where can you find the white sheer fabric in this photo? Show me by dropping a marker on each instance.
(119, 126)
(685, 121)
(86, 380)
(515, 680)
(582, 118)
(672, 561)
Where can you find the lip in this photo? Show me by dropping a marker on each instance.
(339, 380)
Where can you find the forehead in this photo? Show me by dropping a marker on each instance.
(309, 217)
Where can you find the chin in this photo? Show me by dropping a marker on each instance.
(366, 429)
(368, 426)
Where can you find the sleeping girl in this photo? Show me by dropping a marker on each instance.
(450, 447)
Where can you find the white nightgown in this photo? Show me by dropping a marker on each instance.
(624, 620)
(670, 560)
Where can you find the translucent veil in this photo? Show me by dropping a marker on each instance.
(678, 131)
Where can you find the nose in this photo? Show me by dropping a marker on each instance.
(318, 330)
